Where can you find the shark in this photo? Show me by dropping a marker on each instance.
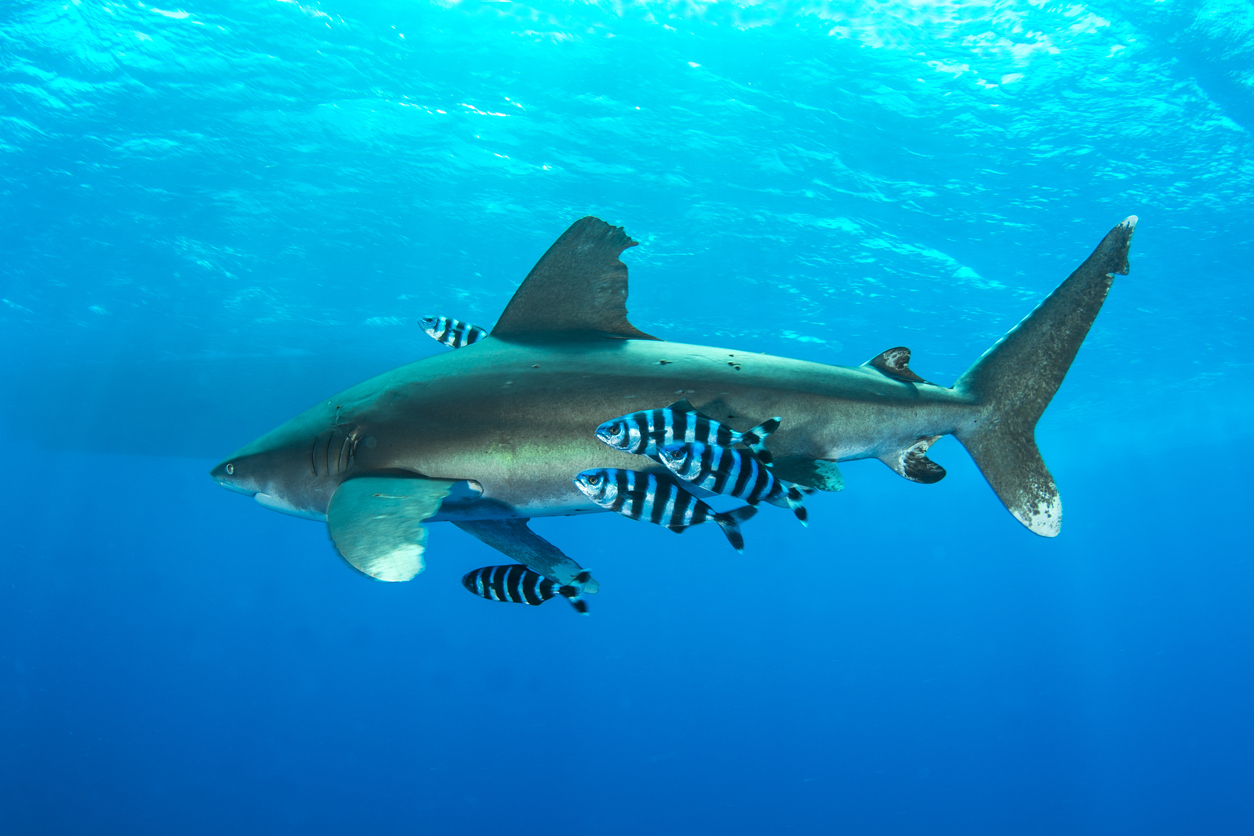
(491, 435)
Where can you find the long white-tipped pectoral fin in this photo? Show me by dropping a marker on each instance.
(376, 525)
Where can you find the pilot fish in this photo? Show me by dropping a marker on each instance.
(730, 471)
(645, 431)
(659, 500)
(516, 584)
(452, 332)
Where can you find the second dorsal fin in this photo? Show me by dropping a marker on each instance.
(578, 286)
(896, 364)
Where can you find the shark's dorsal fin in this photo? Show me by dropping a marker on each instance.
(896, 364)
(578, 287)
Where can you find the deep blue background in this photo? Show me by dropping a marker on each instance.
(214, 215)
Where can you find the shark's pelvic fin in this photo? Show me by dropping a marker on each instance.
(896, 364)
(912, 462)
(376, 523)
(1016, 378)
(821, 474)
(578, 287)
(513, 538)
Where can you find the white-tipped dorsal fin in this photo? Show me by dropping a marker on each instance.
(896, 364)
(578, 287)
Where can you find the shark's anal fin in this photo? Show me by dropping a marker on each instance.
(514, 539)
(896, 364)
(376, 525)
(578, 287)
(912, 462)
(821, 474)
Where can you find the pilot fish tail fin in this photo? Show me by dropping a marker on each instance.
(1016, 379)
(573, 592)
(730, 523)
(792, 498)
(755, 439)
(795, 502)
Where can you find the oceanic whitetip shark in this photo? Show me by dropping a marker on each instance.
(491, 434)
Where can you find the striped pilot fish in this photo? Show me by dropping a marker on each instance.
(659, 500)
(516, 584)
(733, 472)
(452, 332)
(646, 431)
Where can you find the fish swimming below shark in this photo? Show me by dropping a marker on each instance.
(516, 584)
(384, 460)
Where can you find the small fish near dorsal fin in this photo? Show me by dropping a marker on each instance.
(896, 364)
(578, 287)
(913, 464)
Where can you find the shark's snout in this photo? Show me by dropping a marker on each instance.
(224, 474)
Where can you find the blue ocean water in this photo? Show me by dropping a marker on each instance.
(213, 215)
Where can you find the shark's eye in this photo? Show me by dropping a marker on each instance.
(230, 470)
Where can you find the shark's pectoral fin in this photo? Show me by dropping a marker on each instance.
(376, 522)
(912, 462)
(820, 474)
(895, 363)
(513, 538)
(578, 287)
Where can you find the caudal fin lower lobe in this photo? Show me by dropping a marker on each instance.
(1016, 379)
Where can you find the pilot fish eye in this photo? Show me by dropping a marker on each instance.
(595, 479)
(230, 470)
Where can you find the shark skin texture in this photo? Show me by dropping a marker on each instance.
(491, 434)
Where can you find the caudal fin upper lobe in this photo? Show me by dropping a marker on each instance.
(1016, 378)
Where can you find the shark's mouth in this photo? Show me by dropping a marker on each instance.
(275, 503)
(230, 486)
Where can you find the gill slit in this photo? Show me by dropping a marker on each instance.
(338, 467)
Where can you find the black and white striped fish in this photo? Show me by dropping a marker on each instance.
(451, 332)
(516, 584)
(733, 472)
(659, 500)
(646, 431)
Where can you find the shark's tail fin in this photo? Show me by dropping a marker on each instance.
(573, 591)
(1016, 378)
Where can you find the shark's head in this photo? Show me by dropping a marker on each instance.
(684, 460)
(293, 469)
(598, 485)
